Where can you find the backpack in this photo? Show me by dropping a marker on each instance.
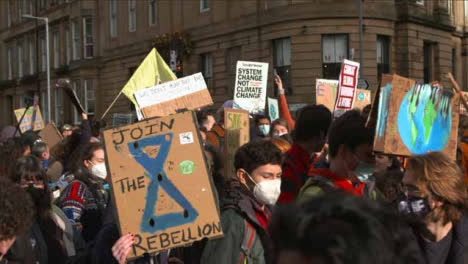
(195, 251)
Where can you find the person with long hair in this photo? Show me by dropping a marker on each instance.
(45, 241)
(84, 199)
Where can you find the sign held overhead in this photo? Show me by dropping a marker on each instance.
(164, 99)
(251, 85)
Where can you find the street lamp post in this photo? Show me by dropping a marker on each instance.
(46, 21)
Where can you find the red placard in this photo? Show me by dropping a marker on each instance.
(346, 87)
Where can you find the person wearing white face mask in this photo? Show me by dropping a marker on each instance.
(84, 199)
(246, 207)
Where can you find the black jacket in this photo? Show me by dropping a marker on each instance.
(458, 253)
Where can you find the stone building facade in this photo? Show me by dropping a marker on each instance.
(99, 43)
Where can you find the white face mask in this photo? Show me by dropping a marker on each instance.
(99, 170)
(268, 191)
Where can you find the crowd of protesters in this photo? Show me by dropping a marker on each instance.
(308, 189)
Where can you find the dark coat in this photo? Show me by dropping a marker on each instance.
(458, 253)
(238, 206)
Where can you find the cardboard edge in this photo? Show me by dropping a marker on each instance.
(111, 184)
(210, 178)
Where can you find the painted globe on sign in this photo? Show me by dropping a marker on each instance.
(273, 113)
(422, 124)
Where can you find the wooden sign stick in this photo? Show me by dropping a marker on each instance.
(457, 89)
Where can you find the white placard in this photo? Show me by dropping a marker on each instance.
(251, 85)
(170, 90)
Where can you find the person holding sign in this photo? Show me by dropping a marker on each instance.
(245, 209)
(283, 104)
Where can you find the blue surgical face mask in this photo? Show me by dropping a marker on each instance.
(364, 171)
(264, 129)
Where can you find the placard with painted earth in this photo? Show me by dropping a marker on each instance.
(425, 118)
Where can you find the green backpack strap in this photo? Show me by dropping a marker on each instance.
(247, 242)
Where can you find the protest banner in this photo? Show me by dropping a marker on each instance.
(346, 87)
(164, 99)
(237, 133)
(51, 135)
(273, 109)
(250, 87)
(363, 98)
(414, 119)
(32, 120)
(325, 93)
(160, 183)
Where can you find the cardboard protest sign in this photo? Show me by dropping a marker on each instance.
(237, 133)
(363, 98)
(415, 119)
(32, 120)
(160, 183)
(325, 93)
(164, 99)
(250, 87)
(273, 109)
(346, 87)
(51, 135)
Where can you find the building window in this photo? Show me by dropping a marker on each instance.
(43, 54)
(282, 62)
(450, 8)
(59, 110)
(89, 96)
(20, 56)
(55, 39)
(454, 62)
(77, 88)
(233, 55)
(32, 57)
(76, 40)
(383, 56)
(428, 62)
(9, 64)
(30, 7)
(466, 9)
(88, 43)
(113, 17)
(420, 2)
(132, 15)
(44, 109)
(9, 13)
(20, 5)
(67, 45)
(204, 5)
(334, 51)
(206, 66)
(42, 4)
(152, 12)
